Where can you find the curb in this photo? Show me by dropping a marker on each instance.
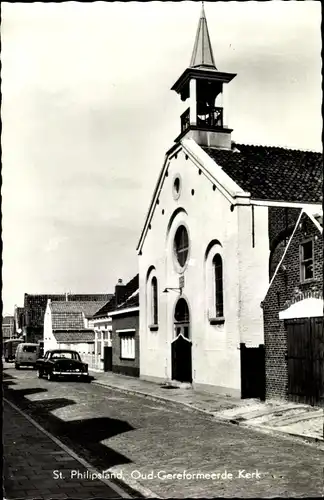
(309, 440)
(132, 483)
(134, 392)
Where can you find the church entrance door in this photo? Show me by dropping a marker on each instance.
(181, 344)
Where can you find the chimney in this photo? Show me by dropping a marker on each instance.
(119, 292)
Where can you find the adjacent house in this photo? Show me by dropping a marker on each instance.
(293, 315)
(112, 317)
(125, 332)
(34, 310)
(213, 235)
(69, 325)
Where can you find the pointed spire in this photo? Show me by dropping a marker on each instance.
(202, 54)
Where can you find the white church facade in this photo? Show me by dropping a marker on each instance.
(205, 246)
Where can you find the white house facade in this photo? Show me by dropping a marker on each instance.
(69, 325)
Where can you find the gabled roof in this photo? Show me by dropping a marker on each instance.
(202, 54)
(35, 304)
(132, 301)
(87, 308)
(128, 292)
(108, 307)
(314, 216)
(260, 173)
(75, 336)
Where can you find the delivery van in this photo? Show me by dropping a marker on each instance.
(27, 355)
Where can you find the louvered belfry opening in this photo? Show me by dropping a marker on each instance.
(203, 84)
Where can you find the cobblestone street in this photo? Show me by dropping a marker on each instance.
(146, 440)
(36, 467)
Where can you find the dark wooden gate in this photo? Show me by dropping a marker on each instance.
(252, 372)
(305, 358)
(181, 360)
(107, 359)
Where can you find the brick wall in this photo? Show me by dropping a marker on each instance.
(281, 222)
(125, 366)
(281, 290)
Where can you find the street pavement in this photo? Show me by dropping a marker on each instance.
(37, 467)
(294, 419)
(161, 447)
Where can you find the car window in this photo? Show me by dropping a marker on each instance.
(65, 355)
(29, 348)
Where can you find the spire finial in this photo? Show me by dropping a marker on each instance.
(202, 54)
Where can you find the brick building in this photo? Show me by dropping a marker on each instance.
(125, 332)
(112, 317)
(293, 314)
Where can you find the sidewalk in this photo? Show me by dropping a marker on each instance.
(36, 467)
(271, 416)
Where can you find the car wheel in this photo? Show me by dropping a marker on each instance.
(40, 374)
(50, 376)
(17, 366)
(86, 379)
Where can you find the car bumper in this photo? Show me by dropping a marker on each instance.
(71, 374)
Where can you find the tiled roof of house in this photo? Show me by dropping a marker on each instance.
(87, 308)
(132, 301)
(131, 287)
(35, 305)
(273, 173)
(110, 306)
(75, 336)
(67, 321)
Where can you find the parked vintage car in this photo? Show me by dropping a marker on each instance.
(26, 355)
(58, 363)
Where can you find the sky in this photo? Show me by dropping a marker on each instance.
(88, 114)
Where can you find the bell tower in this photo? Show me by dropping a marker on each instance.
(203, 85)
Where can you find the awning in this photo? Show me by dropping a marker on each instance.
(307, 308)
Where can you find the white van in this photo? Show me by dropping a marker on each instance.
(27, 355)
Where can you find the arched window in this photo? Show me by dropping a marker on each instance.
(181, 245)
(154, 296)
(218, 280)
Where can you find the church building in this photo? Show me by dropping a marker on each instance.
(217, 215)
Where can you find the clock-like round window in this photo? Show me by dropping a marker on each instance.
(181, 245)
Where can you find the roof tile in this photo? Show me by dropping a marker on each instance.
(273, 173)
(76, 336)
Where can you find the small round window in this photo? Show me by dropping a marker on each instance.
(181, 245)
(176, 187)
